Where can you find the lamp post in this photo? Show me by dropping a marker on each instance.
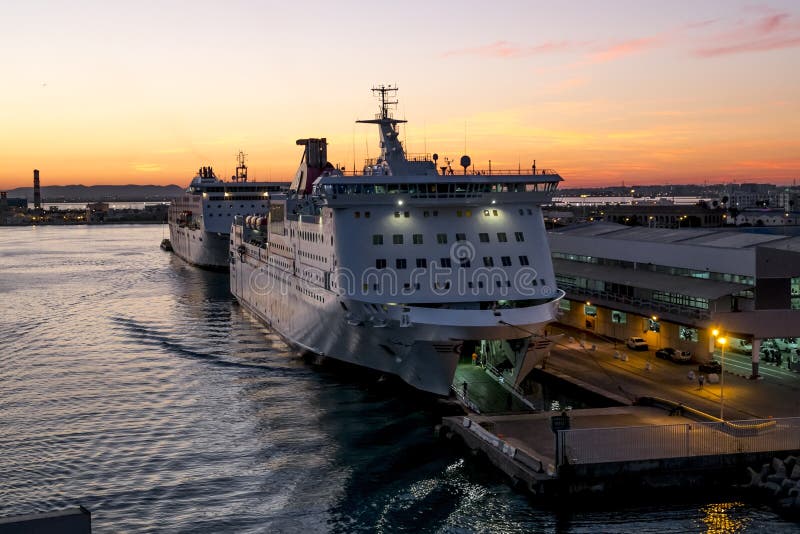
(722, 341)
(658, 328)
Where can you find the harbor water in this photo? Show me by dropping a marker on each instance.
(133, 384)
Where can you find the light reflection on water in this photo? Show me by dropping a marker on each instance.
(132, 383)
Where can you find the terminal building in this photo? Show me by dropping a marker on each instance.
(673, 287)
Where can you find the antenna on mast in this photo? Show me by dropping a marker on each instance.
(387, 93)
(241, 169)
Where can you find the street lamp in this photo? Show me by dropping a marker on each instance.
(722, 341)
(657, 328)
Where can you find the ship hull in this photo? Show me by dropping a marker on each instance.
(412, 352)
(422, 354)
(208, 250)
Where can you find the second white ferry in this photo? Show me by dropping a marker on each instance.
(402, 268)
(200, 219)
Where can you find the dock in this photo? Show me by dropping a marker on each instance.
(657, 430)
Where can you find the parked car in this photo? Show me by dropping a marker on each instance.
(636, 343)
(711, 366)
(675, 355)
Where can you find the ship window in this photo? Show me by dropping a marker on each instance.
(521, 211)
(485, 213)
(435, 213)
(366, 214)
(530, 212)
(480, 284)
(488, 261)
(417, 285)
(447, 285)
(464, 262)
(506, 261)
(406, 214)
(397, 239)
(501, 237)
(241, 205)
(422, 263)
(461, 237)
(358, 215)
(445, 262)
(484, 237)
(469, 284)
(417, 239)
(519, 236)
(441, 239)
(397, 215)
(523, 260)
(542, 281)
(210, 214)
(377, 239)
(406, 286)
(459, 213)
(380, 264)
(494, 212)
(499, 283)
(468, 213)
(252, 205)
(400, 263)
(426, 213)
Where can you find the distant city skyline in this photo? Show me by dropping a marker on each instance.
(641, 91)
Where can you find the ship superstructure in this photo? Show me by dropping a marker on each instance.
(200, 219)
(403, 267)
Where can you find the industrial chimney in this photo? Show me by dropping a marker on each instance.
(37, 192)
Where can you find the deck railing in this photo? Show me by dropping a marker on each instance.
(600, 445)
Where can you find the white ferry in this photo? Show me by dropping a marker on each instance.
(200, 220)
(404, 267)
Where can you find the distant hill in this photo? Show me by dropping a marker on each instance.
(93, 193)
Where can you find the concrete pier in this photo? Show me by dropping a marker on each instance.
(672, 439)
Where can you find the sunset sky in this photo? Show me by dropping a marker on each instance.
(114, 92)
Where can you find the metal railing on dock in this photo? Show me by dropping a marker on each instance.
(511, 388)
(600, 445)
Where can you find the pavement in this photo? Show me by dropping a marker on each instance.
(594, 360)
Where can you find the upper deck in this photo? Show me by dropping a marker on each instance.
(334, 189)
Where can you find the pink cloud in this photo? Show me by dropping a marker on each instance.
(506, 50)
(772, 31)
(624, 48)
